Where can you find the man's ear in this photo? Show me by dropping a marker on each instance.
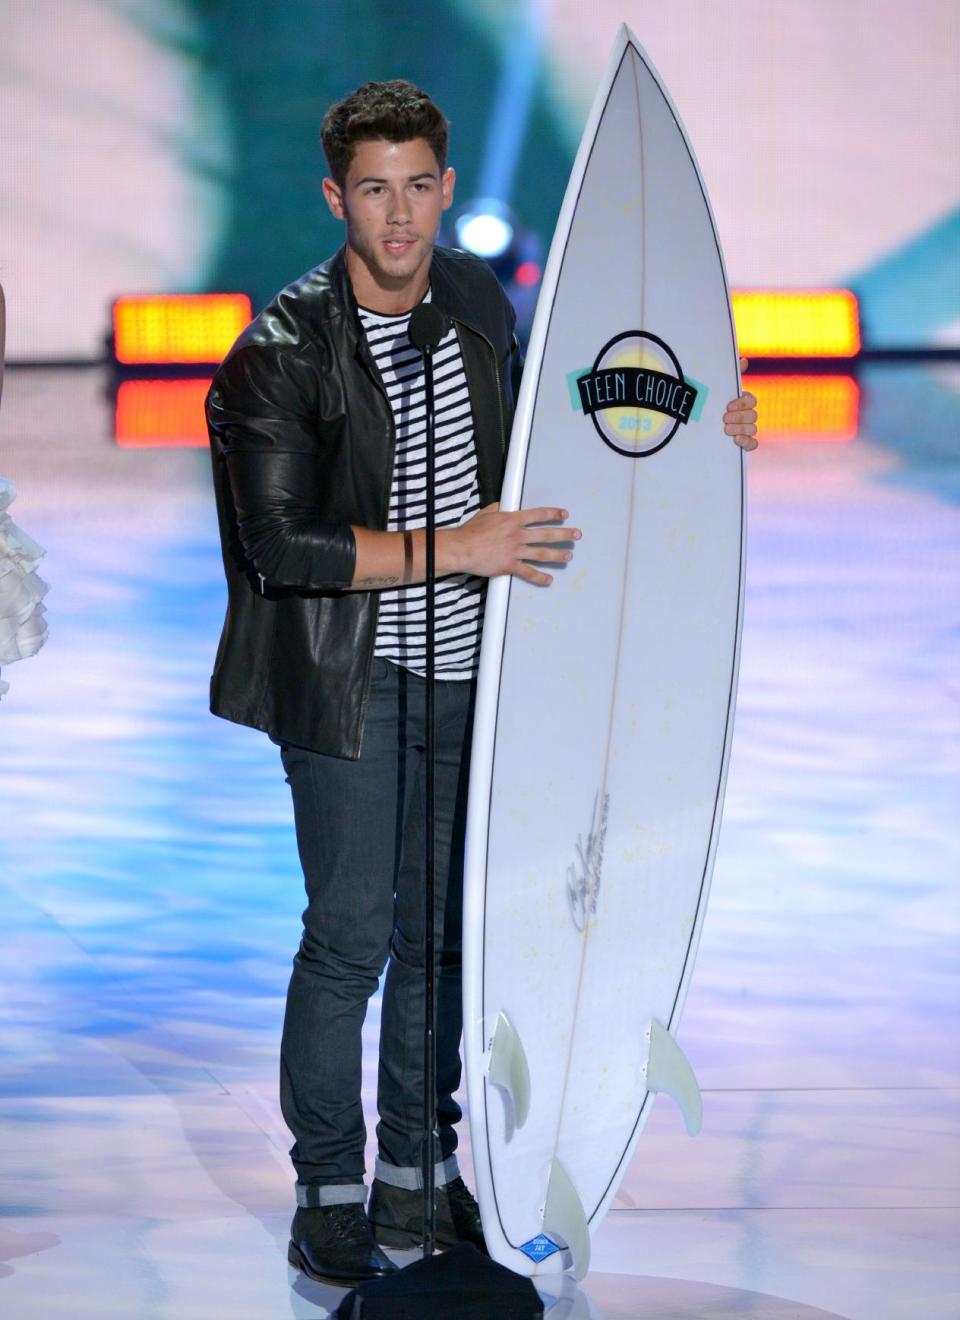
(447, 181)
(333, 195)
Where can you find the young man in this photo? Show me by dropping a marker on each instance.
(317, 432)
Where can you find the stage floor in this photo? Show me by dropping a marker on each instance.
(150, 899)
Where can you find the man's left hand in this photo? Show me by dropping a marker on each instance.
(740, 419)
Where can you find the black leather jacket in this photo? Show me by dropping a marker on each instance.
(302, 440)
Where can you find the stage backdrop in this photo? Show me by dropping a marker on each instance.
(172, 145)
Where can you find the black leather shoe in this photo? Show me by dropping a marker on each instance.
(396, 1216)
(333, 1244)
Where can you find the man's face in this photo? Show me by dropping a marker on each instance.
(392, 200)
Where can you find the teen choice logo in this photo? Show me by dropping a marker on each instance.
(636, 395)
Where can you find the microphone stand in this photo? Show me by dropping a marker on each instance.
(425, 334)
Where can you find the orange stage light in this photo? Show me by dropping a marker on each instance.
(153, 414)
(169, 413)
(182, 327)
(806, 407)
(797, 323)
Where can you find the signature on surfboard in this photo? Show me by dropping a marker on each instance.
(583, 877)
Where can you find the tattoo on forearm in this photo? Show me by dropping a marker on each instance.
(372, 582)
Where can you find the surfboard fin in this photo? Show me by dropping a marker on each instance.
(509, 1070)
(564, 1218)
(668, 1070)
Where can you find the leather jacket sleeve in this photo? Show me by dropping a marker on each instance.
(261, 412)
(516, 362)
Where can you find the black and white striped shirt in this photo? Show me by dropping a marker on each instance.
(401, 630)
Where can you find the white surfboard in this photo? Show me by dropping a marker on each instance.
(605, 703)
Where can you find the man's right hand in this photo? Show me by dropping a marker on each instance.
(489, 544)
(493, 543)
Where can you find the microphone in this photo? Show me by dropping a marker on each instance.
(428, 325)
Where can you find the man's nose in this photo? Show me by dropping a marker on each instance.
(397, 212)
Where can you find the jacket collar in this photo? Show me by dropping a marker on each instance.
(445, 292)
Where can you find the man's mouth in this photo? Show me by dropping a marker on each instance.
(398, 245)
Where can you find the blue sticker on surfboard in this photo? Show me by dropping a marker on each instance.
(539, 1248)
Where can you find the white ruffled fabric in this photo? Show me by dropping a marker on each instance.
(23, 628)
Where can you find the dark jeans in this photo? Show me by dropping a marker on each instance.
(361, 841)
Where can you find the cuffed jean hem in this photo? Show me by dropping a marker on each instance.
(411, 1179)
(312, 1195)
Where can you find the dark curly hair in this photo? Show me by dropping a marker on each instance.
(395, 110)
